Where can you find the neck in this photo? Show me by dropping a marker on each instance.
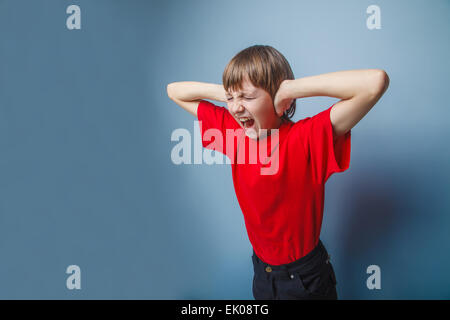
(279, 122)
(277, 125)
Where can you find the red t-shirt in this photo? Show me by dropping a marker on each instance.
(282, 210)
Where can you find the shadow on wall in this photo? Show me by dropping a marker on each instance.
(378, 209)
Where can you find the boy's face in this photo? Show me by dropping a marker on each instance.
(253, 109)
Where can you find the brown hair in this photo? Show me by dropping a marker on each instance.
(266, 68)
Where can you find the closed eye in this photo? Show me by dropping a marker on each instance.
(248, 98)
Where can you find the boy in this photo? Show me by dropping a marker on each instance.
(283, 210)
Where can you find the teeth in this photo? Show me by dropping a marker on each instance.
(244, 119)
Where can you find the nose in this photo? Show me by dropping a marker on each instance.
(236, 107)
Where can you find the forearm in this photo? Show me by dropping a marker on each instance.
(193, 90)
(342, 84)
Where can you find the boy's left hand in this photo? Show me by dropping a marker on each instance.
(281, 102)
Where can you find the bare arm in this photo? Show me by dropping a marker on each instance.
(359, 91)
(187, 94)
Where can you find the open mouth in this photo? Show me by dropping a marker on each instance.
(247, 122)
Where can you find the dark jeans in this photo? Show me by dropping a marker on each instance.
(310, 277)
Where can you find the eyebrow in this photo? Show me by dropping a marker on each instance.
(243, 92)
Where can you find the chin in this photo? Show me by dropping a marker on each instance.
(253, 137)
(252, 134)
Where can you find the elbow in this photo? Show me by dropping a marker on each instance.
(380, 82)
(383, 80)
(169, 90)
(173, 91)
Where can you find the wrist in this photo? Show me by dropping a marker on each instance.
(286, 89)
(221, 93)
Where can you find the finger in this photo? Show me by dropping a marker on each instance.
(277, 109)
(280, 112)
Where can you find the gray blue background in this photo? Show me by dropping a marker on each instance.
(86, 176)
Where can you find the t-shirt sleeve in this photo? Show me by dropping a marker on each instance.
(213, 122)
(325, 155)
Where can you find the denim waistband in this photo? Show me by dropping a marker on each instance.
(306, 264)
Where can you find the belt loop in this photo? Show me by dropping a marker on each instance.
(287, 271)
